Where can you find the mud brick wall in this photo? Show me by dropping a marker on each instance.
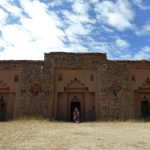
(35, 89)
(116, 98)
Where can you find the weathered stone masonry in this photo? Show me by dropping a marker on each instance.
(52, 88)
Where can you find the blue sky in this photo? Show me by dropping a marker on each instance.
(119, 28)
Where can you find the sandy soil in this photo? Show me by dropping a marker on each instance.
(42, 134)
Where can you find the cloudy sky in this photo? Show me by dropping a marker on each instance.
(119, 28)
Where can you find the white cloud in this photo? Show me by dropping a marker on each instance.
(77, 29)
(145, 30)
(40, 31)
(104, 47)
(146, 49)
(43, 29)
(123, 44)
(80, 7)
(12, 9)
(54, 3)
(107, 29)
(78, 24)
(93, 1)
(34, 36)
(140, 4)
(143, 54)
(116, 14)
(74, 18)
(3, 17)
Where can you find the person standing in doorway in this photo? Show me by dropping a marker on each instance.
(76, 115)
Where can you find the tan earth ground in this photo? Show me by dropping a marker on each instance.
(42, 134)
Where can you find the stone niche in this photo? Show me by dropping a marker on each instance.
(142, 100)
(115, 88)
(7, 101)
(35, 89)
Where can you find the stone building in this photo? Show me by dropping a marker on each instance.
(52, 88)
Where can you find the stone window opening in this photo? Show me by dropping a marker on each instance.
(23, 91)
(95, 62)
(91, 77)
(75, 79)
(47, 92)
(133, 78)
(35, 89)
(2, 102)
(59, 77)
(147, 80)
(36, 93)
(16, 78)
(114, 93)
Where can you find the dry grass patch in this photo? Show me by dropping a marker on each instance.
(42, 134)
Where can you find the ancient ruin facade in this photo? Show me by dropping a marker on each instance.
(52, 88)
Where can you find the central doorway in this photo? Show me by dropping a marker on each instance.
(76, 100)
(73, 106)
(71, 98)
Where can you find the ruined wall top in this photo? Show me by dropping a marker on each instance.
(75, 59)
(8, 64)
(66, 54)
(64, 59)
(133, 64)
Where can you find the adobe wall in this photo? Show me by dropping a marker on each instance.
(31, 92)
(140, 82)
(74, 82)
(36, 89)
(72, 62)
(116, 99)
(121, 80)
(34, 92)
(115, 96)
(139, 72)
(9, 87)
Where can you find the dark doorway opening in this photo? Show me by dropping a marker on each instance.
(145, 108)
(73, 106)
(2, 109)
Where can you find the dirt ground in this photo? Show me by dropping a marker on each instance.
(42, 134)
